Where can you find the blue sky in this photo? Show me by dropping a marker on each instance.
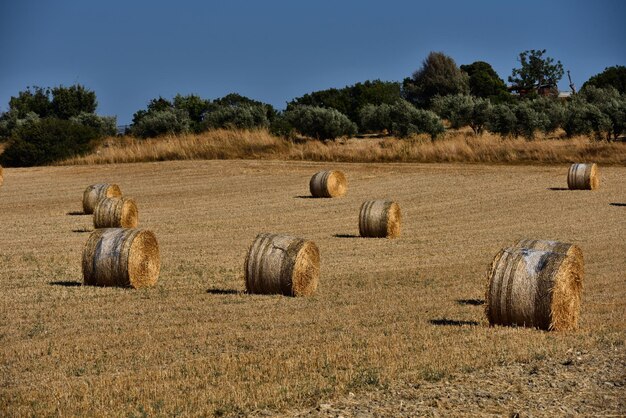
(129, 52)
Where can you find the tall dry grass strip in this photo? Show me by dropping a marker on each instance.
(121, 257)
(583, 177)
(282, 264)
(534, 288)
(380, 219)
(332, 183)
(94, 193)
(116, 212)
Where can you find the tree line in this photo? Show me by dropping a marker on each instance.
(44, 125)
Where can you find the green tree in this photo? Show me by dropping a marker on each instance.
(46, 141)
(319, 122)
(72, 101)
(462, 110)
(240, 117)
(439, 75)
(33, 99)
(161, 122)
(610, 77)
(582, 118)
(195, 107)
(350, 99)
(535, 71)
(502, 120)
(611, 103)
(485, 82)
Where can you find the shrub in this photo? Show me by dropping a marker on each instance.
(376, 118)
(528, 120)
(241, 117)
(463, 110)
(161, 122)
(610, 77)
(104, 125)
(320, 123)
(582, 118)
(502, 120)
(46, 141)
(553, 111)
(407, 120)
(280, 126)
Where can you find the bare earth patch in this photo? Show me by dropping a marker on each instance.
(397, 323)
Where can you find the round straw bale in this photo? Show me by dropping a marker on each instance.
(330, 183)
(534, 288)
(116, 212)
(554, 247)
(94, 193)
(281, 264)
(1, 176)
(121, 257)
(583, 177)
(380, 219)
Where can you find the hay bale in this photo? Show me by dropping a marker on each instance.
(94, 193)
(121, 257)
(583, 177)
(281, 264)
(380, 219)
(534, 288)
(330, 183)
(554, 247)
(116, 212)
(1, 175)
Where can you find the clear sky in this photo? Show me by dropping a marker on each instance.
(131, 51)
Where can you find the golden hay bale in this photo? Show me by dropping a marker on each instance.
(116, 212)
(331, 183)
(1, 175)
(121, 257)
(94, 193)
(282, 264)
(380, 219)
(534, 288)
(583, 177)
(554, 247)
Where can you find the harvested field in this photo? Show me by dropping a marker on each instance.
(396, 327)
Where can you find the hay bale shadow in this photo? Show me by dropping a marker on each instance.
(224, 292)
(82, 230)
(471, 302)
(617, 204)
(557, 189)
(66, 283)
(452, 322)
(346, 236)
(76, 213)
(304, 197)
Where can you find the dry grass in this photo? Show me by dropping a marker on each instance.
(453, 147)
(386, 311)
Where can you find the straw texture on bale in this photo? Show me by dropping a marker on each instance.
(282, 264)
(571, 250)
(331, 183)
(96, 192)
(583, 177)
(1, 176)
(380, 219)
(121, 257)
(534, 288)
(116, 212)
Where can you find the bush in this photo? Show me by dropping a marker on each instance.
(528, 120)
(502, 120)
(376, 118)
(320, 123)
(463, 110)
(161, 122)
(241, 117)
(46, 141)
(582, 118)
(553, 111)
(104, 125)
(280, 126)
(407, 120)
